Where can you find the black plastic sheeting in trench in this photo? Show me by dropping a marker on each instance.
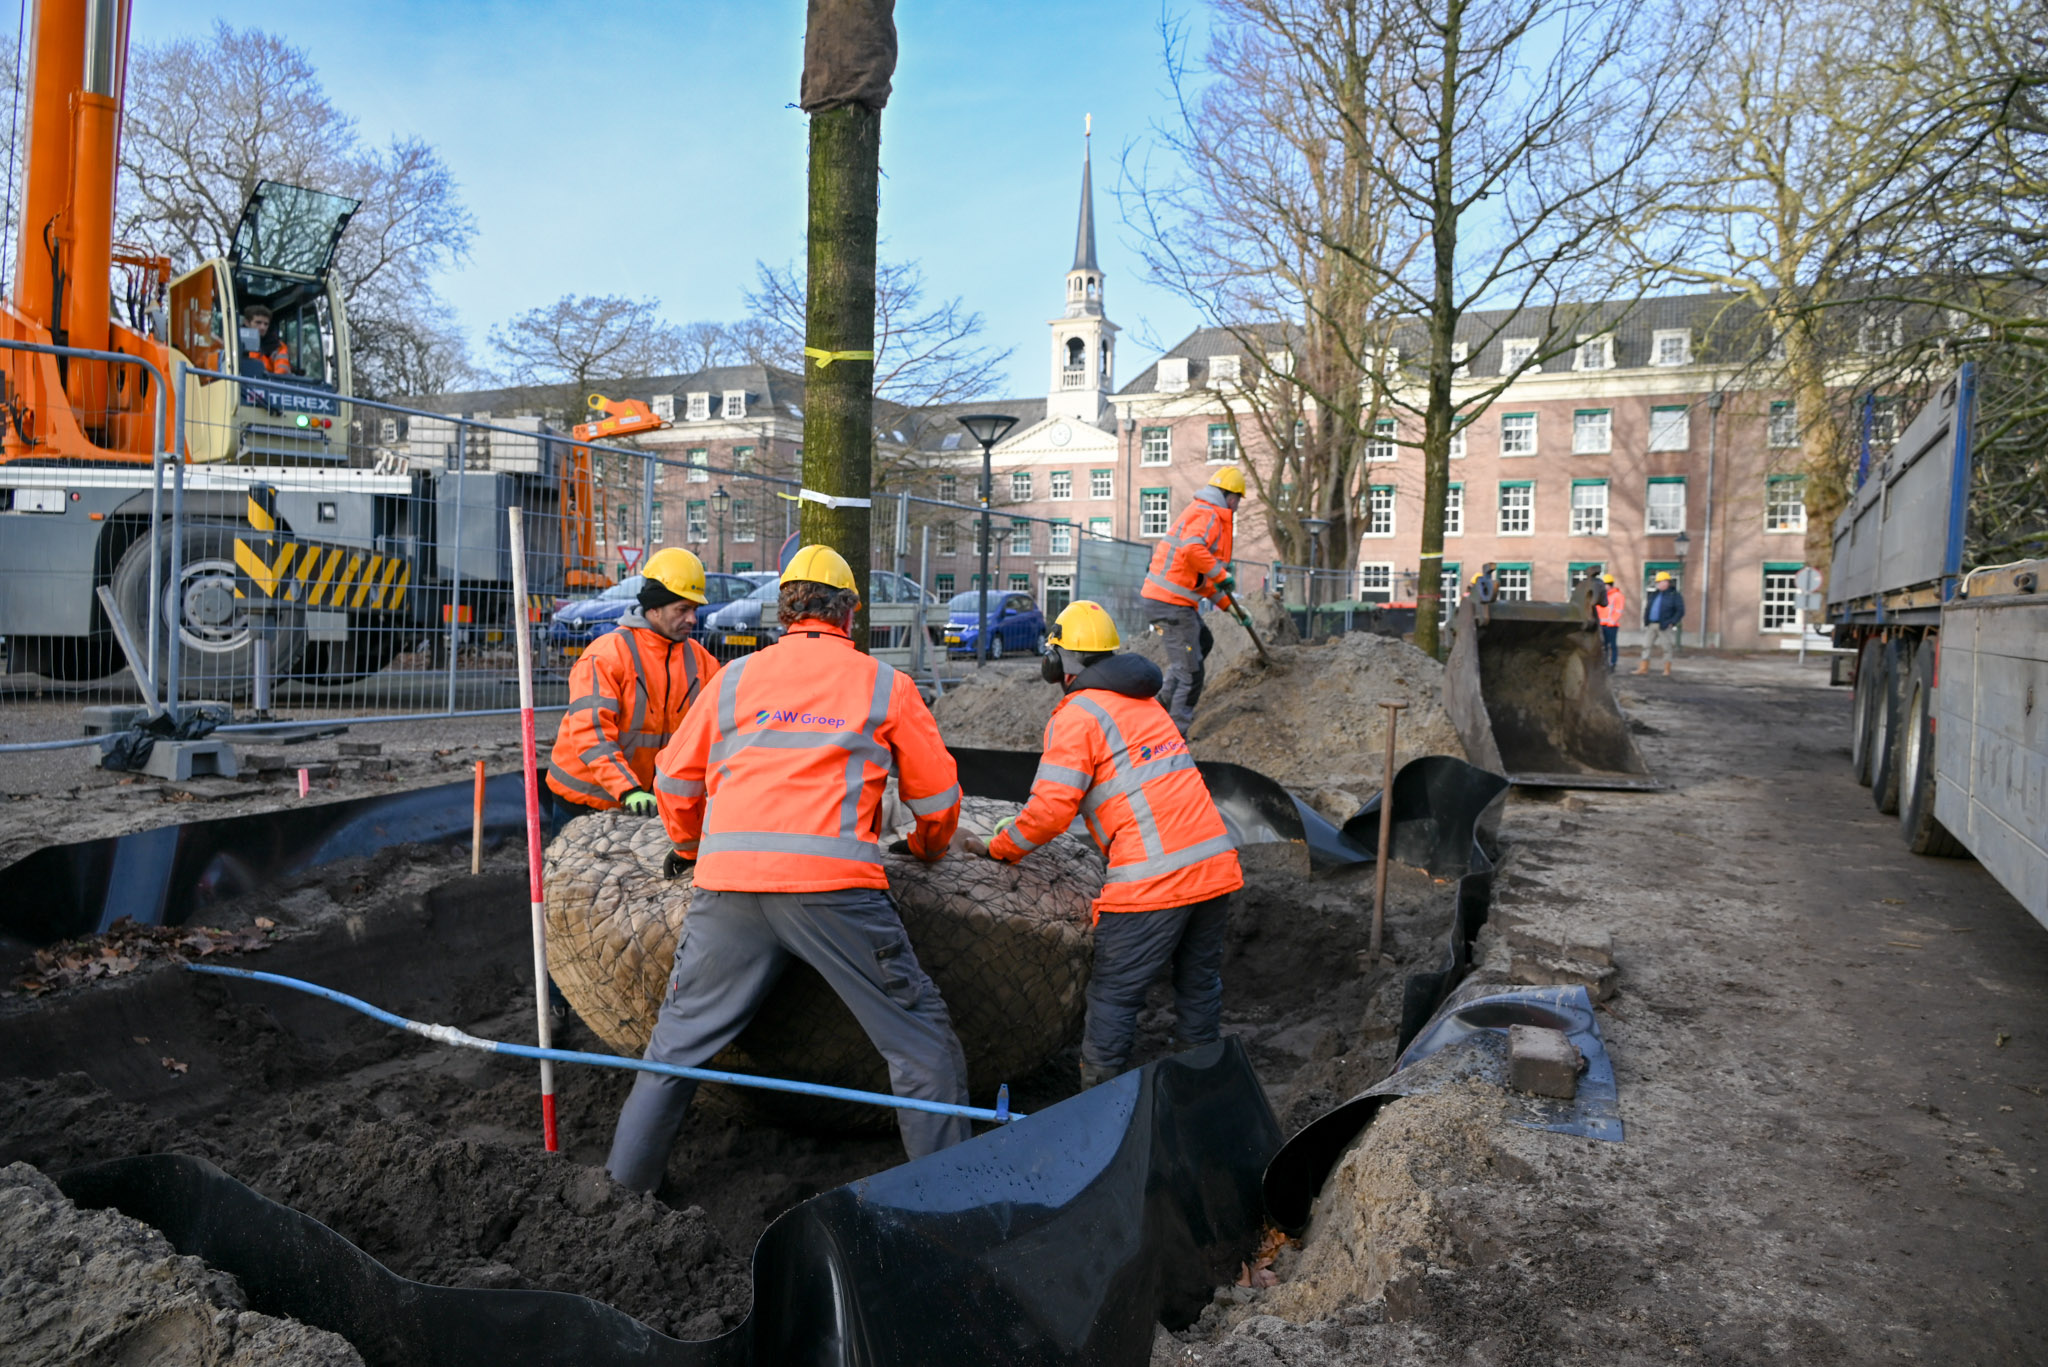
(1061, 1238)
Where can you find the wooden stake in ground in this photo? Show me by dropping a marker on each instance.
(476, 824)
(1379, 900)
(849, 58)
(528, 760)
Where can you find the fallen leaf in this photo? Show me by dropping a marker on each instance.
(1892, 901)
(2002, 1038)
(265, 923)
(141, 1039)
(172, 1065)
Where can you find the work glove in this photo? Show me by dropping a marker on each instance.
(673, 866)
(640, 802)
(1227, 586)
(1001, 826)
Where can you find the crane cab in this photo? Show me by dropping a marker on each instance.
(288, 404)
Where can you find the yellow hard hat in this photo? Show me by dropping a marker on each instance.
(1229, 479)
(1663, 576)
(820, 565)
(678, 571)
(1084, 627)
(1607, 579)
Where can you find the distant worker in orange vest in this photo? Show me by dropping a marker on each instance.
(1114, 757)
(255, 324)
(1608, 612)
(773, 789)
(1190, 563)
(629, 691)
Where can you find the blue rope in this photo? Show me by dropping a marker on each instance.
(448, 1034)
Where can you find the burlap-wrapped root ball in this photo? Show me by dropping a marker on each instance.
(1009, 946)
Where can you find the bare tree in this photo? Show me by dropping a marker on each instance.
(207, 118)
(562, 352)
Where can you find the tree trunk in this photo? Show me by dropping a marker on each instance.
(1443, 327)
(839, 434)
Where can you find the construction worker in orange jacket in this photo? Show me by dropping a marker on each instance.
(1114, 757)
(255, 323)
(772, 794)
(1191, 563)
(1607, 611)
(629, 691)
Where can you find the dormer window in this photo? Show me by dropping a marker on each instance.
(699, 407)
(735, 404)
(1223, 370)
(1671, 346)
(1594, 353)
(1173, 374)
(1459, 353)
(664, 406)
(1515, 353)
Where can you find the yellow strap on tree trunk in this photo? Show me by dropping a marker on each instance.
(825, 358)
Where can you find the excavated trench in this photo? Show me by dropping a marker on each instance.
(428, 1160)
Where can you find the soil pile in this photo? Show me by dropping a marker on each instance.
(93, 1286)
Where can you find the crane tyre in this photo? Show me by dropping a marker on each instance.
(1888, 719)
(1922, 830)
(1863, 716)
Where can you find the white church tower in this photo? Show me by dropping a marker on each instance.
(1083, 341)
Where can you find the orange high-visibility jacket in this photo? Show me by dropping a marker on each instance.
(1610, 614)
(774, 782)
(627, 696)
(277, 362)
(1195, 555)
(1119, 761)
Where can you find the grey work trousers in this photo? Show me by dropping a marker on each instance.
(733, 949)
(1134, 947)
(1188, 643)
(1660, 637)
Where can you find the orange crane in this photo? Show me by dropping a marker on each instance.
(618, 418)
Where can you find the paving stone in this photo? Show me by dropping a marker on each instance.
(1543, 1062)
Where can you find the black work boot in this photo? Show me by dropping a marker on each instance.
(1094, 1075)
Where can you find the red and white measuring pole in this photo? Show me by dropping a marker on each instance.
(531, 764)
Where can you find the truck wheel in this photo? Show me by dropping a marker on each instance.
(1863, 718)
(1888, 720)
(217, 655)
(1924, 833)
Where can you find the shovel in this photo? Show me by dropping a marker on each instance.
(1244, 620)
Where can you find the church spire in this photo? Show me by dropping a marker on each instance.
(1084, 236)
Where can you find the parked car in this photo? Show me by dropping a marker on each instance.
(576, 624)
(1015, 624)
(749, 623)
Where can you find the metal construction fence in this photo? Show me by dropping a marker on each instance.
(297, 554)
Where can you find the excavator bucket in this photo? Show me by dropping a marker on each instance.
(1529, 693)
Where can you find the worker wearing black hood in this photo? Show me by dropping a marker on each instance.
(1115, 758)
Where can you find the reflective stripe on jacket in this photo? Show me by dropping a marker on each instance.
(774, 782)
(1195, 554)
(1609, 613)
(277, 362)
(627, 696)
(1120, 762)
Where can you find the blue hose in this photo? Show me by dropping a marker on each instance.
(448, 1034)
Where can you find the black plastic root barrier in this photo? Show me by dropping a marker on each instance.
(1062, 1238)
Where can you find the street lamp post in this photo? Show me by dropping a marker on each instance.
(720, 501)
(986, 429)
(1679, 546)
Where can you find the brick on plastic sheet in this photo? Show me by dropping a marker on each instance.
(1543, 1062)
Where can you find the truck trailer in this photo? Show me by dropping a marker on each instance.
(1949, 728)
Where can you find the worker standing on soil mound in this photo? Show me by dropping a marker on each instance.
(628, 693)
(1113, 755)
(774, 787)
(1190, 564)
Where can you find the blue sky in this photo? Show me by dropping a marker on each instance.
(648, 149)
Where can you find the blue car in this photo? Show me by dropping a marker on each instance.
(1015, 625)
(579, 623)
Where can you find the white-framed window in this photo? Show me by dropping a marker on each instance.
(1592, 431)
(1514, 583)
(1020, 486)
(696, 520)
(742, 459)
(1382, 445)
(1518, 434)
(1884, 424)
(1376, 580)
(735, 404)
(977, 547)
(1172, 374)
(1062, 482)
(698, 407)
(744, 528)
(1100, 483)
(1581, 570)
(1589, 507)
(1153, 517)
(664, 406)
(1594, 353)
(1379, 510)
(1785, 503)
(1665, 506)
(1781, 599)
(698, 461)
(1223, 370)
(623, 522)
(1098, 527)
(949, 488)
(654, 524)
(1515, 353)
(1020, 583)
(1020, 536)
(1458, 438)
(942, 584)
(597, 521)
(1454, 510)
(1460, 353)
(1671, 428)
(1155, 446)
(1517, 507)
(1671, 346)
(1222, 444)
(948, 538)
(1060, 541)
(1449, 586)
(1784, 428)
(1875, 336)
